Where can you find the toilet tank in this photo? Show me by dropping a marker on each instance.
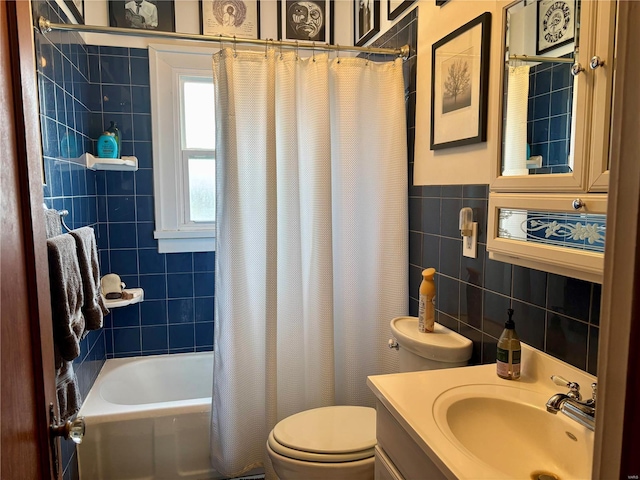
(442, 348)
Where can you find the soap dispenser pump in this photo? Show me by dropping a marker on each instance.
(509, 351)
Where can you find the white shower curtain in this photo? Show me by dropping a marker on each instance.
(311, 261)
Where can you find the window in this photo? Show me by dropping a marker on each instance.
(184, 155)
(198, 148)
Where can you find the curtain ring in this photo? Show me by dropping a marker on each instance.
(313, 50)
(368, 56)
(221, 46)
(281, 50)
(297, 50)
(338, 52)
(235, 47)
(266, 47)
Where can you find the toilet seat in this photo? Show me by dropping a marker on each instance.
(326, 435)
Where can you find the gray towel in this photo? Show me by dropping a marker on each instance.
(93, 309)
(68, 322)
(52, 225)
(66, 295)
(69, 399)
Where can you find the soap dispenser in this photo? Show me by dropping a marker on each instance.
(509, 351)
(107, 146)
(116, 133)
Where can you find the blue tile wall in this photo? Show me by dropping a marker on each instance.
(556, 314)
(82, 88)
(549, 115)
(65, 109)
(177, 313)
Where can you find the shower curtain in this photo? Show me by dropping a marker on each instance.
(311, 260)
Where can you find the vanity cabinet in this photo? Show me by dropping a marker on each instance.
(397, 455)
(547, 201)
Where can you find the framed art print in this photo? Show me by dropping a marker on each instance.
(305, 20)
(555, 25)
(459, 81)
(77, 9)
(367, 20)
(396, 7)
(143, 14)
(240, 18)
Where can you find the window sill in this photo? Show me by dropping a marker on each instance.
(185, 242)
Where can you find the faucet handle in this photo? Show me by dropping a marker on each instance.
(574, 388)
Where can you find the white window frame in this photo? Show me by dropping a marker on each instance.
(167, 64)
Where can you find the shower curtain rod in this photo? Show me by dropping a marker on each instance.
(46, 26)
(532, 58)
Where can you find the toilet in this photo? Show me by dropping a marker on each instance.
(338, 442)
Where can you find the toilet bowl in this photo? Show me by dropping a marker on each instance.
(338, 442)
(328, 442)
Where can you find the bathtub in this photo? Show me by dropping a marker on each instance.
(149, 418)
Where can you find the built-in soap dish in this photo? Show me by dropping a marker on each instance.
(122, 164)
(137, 297)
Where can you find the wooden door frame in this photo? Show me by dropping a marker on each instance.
(617, 439)
(25, 399)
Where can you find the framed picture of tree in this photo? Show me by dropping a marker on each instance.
(459, 85)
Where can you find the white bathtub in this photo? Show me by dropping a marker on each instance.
(148, 418)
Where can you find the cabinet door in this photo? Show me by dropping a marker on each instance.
(384, 469)
(603, 72)
(547, 139)
(548, 233)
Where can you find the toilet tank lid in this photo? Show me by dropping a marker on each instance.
(441, 345)
(329, 430)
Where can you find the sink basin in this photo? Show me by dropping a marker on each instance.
(509, 430)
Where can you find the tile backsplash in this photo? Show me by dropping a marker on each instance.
(556, 314)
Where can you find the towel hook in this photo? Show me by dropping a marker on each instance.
(64, 213)
(235, 47)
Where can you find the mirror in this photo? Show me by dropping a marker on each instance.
(539, 88)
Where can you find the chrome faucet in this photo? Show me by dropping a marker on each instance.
(571, 403)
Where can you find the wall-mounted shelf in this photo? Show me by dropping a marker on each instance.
(138, 296)
(123, 163)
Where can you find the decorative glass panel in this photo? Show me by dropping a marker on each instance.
(202, 189)
(580, 231)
